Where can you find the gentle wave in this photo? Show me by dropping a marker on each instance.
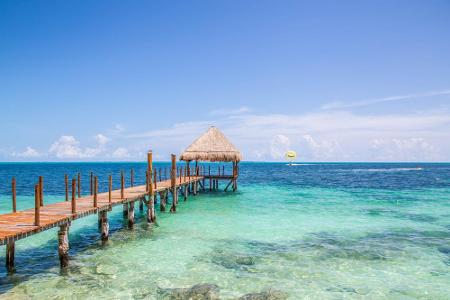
(387, 170)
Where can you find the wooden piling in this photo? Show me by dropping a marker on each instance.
(151, 216)
(110, 189)
(66, 182)
(154, 178)
(10, 250)
(235, 175)
(95, 191)
(210, 181)
(122, 185)
(63, 245)
(41, 190)
(131, 214)
(104, 225)
(13, 193)
(125, 210)
(132, 177)
(162, 200)
(173, 183)
(37, 206)
(74, 203)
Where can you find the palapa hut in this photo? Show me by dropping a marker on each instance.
(213, 146)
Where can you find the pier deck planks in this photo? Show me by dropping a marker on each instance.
(15, 226)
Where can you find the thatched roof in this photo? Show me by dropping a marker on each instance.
(211, 146)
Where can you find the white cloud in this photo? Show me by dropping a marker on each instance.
(360, 103)
(409, 149)
(28, 153)
(101, 139)
(279, 146)
(326, 136)
(323, 149)
(66, 147)
(121, 152)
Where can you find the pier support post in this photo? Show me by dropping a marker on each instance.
(125, 209)
(131, 215)
(9, 263)
(151, 216)
(122, 185)
(141, 205)
(104, 225)
(162, 200)
(63, 245)
(37, 214)
(41, 190)
(185, 189)
(173, 178)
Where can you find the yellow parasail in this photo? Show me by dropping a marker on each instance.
(291, 155)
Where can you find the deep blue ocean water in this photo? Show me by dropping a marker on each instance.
(319, 231)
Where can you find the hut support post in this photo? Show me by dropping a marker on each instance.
(63, 245)
(196, 181)
(235, 175)
(173, 177)
(9, 262)
(210, 181)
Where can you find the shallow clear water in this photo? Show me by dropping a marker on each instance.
(319, 231)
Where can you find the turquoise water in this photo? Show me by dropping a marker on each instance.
(316, 231)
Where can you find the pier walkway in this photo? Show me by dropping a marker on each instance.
(18, 225)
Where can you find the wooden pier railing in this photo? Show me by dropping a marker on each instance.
(20, 224)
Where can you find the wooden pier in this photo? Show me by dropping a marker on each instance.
(21, 224)
(181, 182)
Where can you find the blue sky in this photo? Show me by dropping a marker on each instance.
(334, 80)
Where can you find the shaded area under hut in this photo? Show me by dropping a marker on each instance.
(213, 146)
